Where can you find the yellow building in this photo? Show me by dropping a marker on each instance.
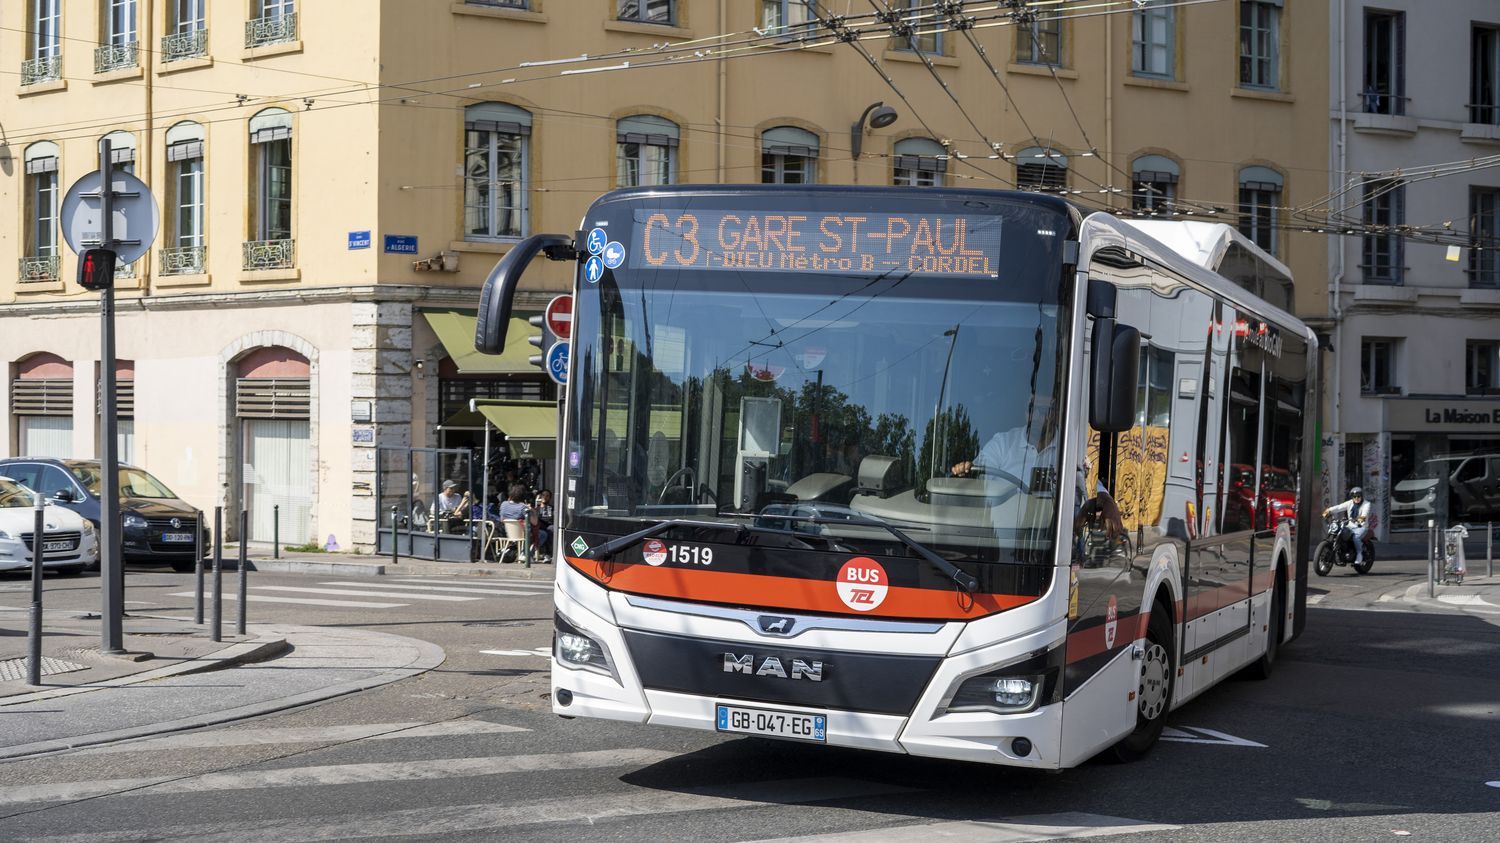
(336, 180)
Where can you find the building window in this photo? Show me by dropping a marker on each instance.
(122, 151)
(646, 151)
(120, 23)
(787, 17)
(186, 245)
(1260, 43)
(41, 401)
(915, 26)
(1484, 237)
(1480, 368)
(1040, 41)
(275, 23)
(496, 187)
(919, 162)
(271, 156)
(1260, 195)
(1153, 183)
(1484, 76)
(1385, 63)
(647, 11)
(39, 258)
(1041, 169)
(44, 46)
(1153, 40)
(186, 38)
(788, 155)
(1377, 367)
(1384, 252)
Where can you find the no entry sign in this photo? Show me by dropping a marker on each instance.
(560, 317)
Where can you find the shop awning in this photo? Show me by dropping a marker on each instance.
(455, 330)
(530, 427)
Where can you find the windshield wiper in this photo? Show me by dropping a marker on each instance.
(963, 579)
(613, 546)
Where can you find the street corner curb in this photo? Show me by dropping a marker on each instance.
(263, 647)
(305, 566)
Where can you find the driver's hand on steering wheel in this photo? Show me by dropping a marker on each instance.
(963, 469)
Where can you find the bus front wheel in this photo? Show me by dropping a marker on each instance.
(1154, 696)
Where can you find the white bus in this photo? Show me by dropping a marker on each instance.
(964, 474)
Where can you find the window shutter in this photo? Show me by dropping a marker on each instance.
(273, 134)
(185, 151)
(124, 399)
(41, 165)
(272, 398)
(42, 397)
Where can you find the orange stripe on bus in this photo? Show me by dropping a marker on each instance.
(790, 593)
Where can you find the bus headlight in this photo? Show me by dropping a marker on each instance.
(1001, 694)
(573, 647)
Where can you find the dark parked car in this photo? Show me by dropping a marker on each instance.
(156, 526)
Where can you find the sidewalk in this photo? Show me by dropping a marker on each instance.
(262, 558)
(1401, 585)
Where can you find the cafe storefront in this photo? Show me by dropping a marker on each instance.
(1439, 460)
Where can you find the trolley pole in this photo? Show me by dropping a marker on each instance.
(239, 626)
(34, 636)
(198, 568)
(217, 633)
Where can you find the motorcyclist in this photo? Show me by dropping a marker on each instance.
(1358, 511)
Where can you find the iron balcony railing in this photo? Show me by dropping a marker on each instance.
(1379, 102)
(273, 29)
(36, 268)
(1485, 113)
(116, 57)
(184, 45)
(270, 254)
(46, 69)
(184, 260)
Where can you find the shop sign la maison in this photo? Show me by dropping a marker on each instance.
(1417, 415)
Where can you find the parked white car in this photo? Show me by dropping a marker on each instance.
(68, 541)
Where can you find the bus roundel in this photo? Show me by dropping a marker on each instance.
(862, 584)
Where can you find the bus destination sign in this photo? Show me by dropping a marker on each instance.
(845, 242)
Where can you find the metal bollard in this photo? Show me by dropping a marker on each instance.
(1432, 553)
(276, 531)
(239, 626)
(1489, 549)
(34, 636)
(395, 537)
(217, 633)
(198, 568)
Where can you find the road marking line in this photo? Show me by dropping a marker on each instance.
(487, 816)
(1315, 599)
(1464, 600)
(456, 589)
(1194, 734)
(538, 585)
(337, 774)
(544, 652)
(1065, 826)
(360, 593)
(302, 601)
(306, 734)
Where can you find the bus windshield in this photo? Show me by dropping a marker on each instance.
(925, 397)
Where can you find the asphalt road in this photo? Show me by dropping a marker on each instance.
(1375, 723)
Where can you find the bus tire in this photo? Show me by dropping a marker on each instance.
(1154, 696)
(1261, 667)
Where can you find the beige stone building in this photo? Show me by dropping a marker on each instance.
(336, 179)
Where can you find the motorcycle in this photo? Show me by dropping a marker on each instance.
(1337, 548)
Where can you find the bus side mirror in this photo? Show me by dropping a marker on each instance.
(1113, 379)
(498, 297)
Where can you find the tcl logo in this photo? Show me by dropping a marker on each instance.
(862, 584)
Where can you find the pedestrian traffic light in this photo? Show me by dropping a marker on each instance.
(543, 340)
(96, 269)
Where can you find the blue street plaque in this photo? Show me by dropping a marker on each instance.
(401, 244)
(359, 240)
(596, 241)
(593, 270)
(614, 254)
(557, 362)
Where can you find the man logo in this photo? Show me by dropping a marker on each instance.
(775, 625)
(772, 666)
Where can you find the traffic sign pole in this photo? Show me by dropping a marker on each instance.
(111, 569)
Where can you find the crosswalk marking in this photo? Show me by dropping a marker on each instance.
(488, 816)
(303, 601)
(539, 585)
(444, 588)
(306, 734)
(544, 652)
(402, 595)
(1066, 826)
(336, 774)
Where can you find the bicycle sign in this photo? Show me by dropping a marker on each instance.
(557, 362)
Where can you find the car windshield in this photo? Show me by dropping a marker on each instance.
(134, 483)
(1278, 480)
(14, 496)
(926, 402)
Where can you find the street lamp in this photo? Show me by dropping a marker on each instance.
(879, 115)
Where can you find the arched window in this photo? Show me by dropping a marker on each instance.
(646, 150)
(788, 155)
(122, 150)
(271, 173)
(41, 399)
(1260, 194)
(272, 410)
(920, 162)
(1041, 169)
(39, 259)
(1153, 182)
(187, 235)
(496, 157)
